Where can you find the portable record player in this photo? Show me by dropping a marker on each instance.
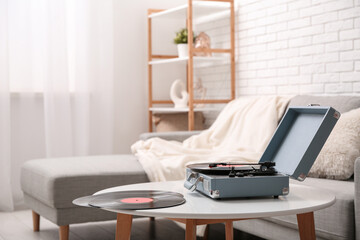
(291, 152)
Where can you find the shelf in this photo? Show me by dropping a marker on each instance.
(175, 110)
(202, 11)
(198, 61)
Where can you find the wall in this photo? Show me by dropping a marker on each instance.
(295, 47)
(131, 68)
(299, 47)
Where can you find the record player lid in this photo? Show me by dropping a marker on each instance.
(299, 138)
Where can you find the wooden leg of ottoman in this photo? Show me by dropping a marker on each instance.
(36, 221)
(64, 232)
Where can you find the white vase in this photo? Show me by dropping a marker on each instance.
(182, 50)
(178, 94)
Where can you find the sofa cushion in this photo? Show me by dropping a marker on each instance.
(330, 154)
(57, 182)
(337, 158)
(335, 222)
(340, 103)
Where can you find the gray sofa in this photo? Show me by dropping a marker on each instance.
(50, 185)
(340, 221)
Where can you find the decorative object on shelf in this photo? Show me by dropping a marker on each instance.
(181, 40)
(200, 91)
(169, 122)
(178, 94)
(202, 41)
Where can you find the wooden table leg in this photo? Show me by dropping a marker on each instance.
(206, 233)
(190, 229)
(306, 226)
(229, 231)
(123, 226)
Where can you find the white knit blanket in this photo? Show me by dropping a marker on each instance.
(240, 134)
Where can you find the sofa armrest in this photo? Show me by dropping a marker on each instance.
(357, 197)
(171, 136)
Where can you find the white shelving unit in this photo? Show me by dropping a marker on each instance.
(198, 61)
(201, 9)
(194, 12)
(174, 110)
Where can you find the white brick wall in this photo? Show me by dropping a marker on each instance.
(293, 47)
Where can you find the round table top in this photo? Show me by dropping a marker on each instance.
(301, 199)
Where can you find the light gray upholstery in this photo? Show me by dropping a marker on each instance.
(335, 222)
(357, 197)
(170, 136)
(269, 230)
(66, 216)
(340, 103)
(56, 182)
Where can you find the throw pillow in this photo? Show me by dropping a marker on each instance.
(337, 158)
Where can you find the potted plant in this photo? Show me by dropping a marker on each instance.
(181, 40)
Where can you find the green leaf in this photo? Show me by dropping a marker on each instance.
(182, 36)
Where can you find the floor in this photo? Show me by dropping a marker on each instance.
(18, 226)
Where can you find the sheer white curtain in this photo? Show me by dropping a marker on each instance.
(56, 83)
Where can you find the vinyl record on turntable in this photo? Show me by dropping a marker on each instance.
(133, 200)
(220, 168)
(265, 168)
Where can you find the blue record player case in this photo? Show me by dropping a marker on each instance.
(293, 148)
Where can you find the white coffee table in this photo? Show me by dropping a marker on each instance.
(199, 209)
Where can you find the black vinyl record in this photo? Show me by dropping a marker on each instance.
(264, 168)
(132, 200)
(221, 168)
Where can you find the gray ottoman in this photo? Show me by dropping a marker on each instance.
(50, 186)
